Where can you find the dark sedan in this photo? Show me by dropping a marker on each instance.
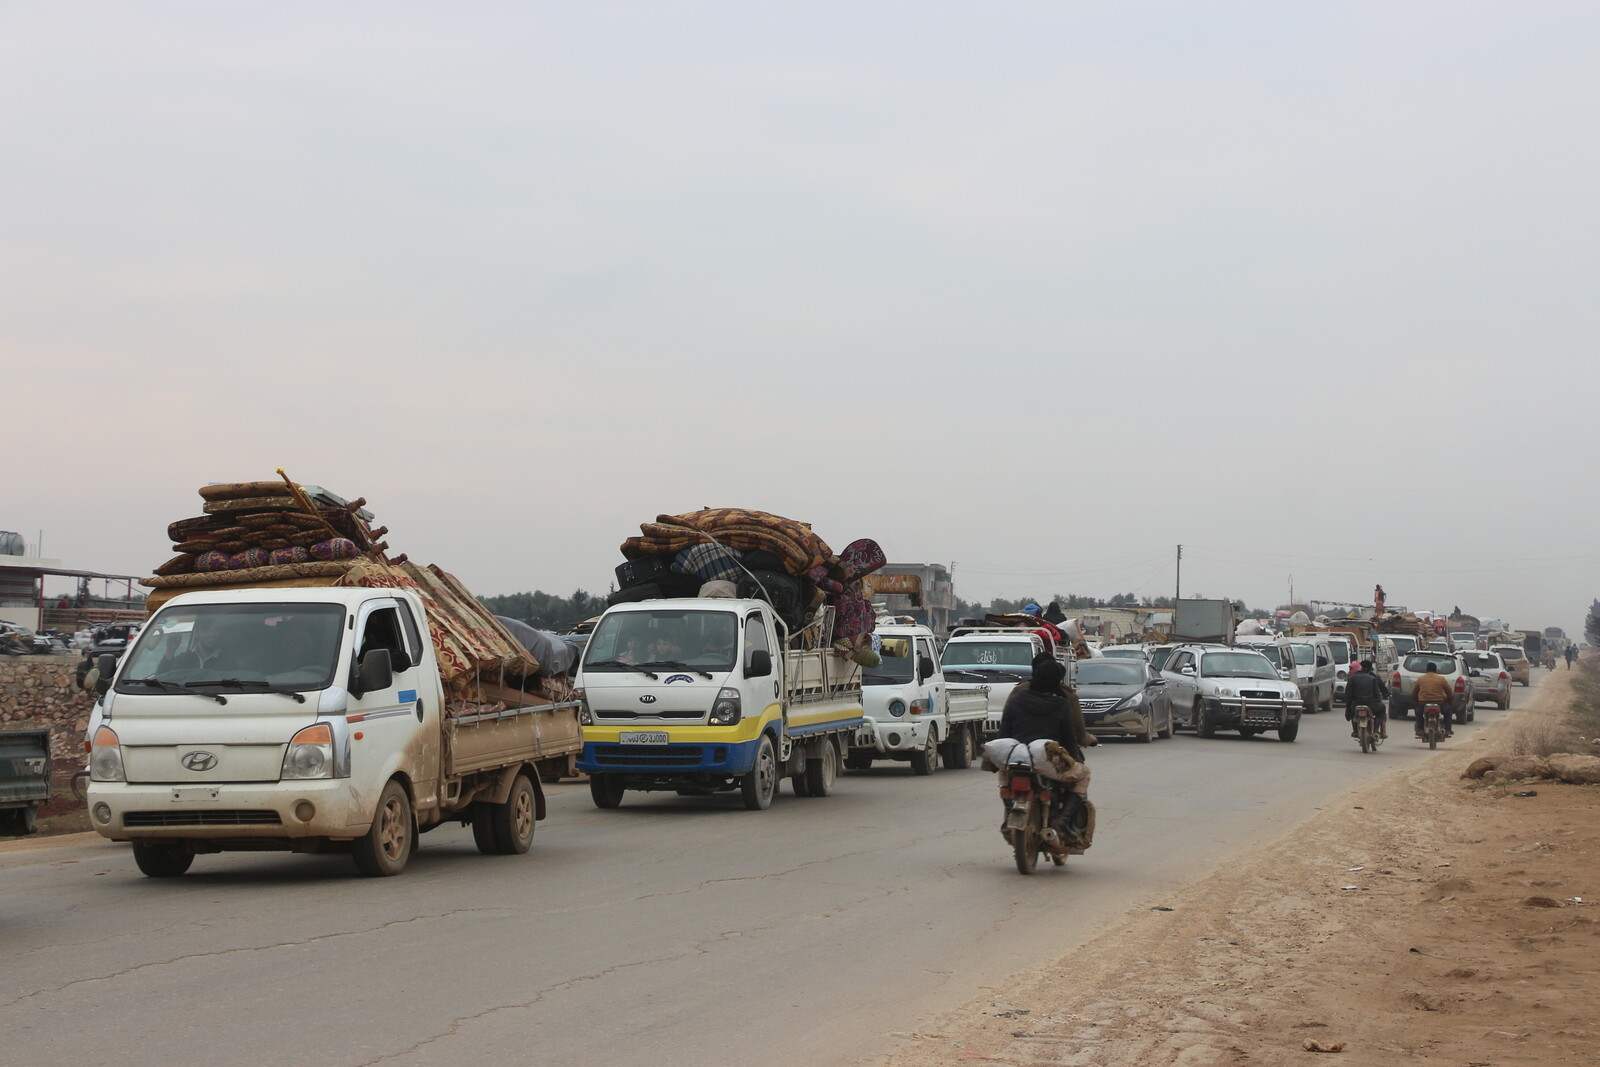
(1124, 697)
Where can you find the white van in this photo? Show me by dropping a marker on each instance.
(1313, 671)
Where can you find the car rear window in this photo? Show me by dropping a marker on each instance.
(1417, 663)
(1510, 653)
(1482, 659)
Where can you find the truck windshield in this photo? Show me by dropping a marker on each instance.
(1403, 643)
(976, 655)
(894, 664)
(663, 637)
(1304, 655)
(279, 646)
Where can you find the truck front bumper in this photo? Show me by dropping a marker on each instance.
(615, 757)
(901, 736)
(317, 808)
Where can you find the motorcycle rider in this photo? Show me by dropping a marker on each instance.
(1431, 688)
(1047, 710)
(1365, 687)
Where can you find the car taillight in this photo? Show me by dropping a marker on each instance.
(1502, 676)
(1461, 684)
(1396, 682)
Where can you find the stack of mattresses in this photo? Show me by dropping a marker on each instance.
(1392, 623)
(753, 554)
(254, 533)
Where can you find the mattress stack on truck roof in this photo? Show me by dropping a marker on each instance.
(759, 556)
(284, 534)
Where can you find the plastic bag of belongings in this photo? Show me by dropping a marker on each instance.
(761, 556)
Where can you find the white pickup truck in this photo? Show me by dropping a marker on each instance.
(307, 720)
(996, 658)
(704, 696)
(911, 713)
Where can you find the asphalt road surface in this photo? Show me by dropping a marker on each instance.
(669, 931)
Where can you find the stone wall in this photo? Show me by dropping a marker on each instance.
(39, 691)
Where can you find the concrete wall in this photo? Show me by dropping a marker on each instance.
(39, 691)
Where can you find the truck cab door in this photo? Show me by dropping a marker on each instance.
(389, 717)
(930, 686)
(759, 636)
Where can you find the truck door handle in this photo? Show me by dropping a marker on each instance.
(419, 711)
(774, 688)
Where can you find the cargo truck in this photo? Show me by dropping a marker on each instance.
(1211, 621)
(309, 720)
(704, 696)
(912, 713)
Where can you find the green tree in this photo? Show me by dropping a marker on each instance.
(1591, 625)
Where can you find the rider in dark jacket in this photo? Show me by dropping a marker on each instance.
(1044, 709)
(1365, 687)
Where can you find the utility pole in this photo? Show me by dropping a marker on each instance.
(1177, 592)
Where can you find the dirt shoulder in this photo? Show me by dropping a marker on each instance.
(1395, 934)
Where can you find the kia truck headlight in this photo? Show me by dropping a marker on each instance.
(585, 716)
(726, 710)
(897, 707)
(310, 753)
(105, 757)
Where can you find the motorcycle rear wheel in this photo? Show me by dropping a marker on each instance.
(1025, 848)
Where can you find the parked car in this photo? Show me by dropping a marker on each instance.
(114, 638)
(1213, 685)
(1492, 680)
(18, 640)
(1126, 652)
(1516, 661)
(1449, 665)
(1121, 695)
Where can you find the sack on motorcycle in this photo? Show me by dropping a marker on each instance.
(1048, 758)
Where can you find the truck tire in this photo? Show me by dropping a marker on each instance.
(161, 859)
(760, 785)
(802, 788)
(926, 760)
(483, 830)
(605, 790)
(1289, 731)
(958, 750)
(385, 849)
(820, 771)
(1203, 725)
(512, 822)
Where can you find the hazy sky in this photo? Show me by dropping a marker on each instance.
(1040, 289)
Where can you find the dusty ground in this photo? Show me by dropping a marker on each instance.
(1435, 956)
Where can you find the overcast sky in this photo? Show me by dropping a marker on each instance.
(1042, 290)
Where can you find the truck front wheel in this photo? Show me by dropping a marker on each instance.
(385, 849)
(759, 785)
(159, 859)
(926, 761)
(605, 790)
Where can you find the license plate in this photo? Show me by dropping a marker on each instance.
(195, 796)
(643, 737)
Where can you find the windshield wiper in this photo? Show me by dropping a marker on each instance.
(173, 687)
(619, 663)
(992, 670)
(254, 683)
(672, 664)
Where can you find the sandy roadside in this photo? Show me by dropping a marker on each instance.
(1434, 956)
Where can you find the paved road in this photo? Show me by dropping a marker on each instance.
(669, 932)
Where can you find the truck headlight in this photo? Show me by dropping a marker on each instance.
(105, 757)
(310, 753)
(585, 716)
(726, 710)
(897, 707)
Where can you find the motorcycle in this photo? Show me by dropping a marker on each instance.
(1366, 725)
(1029, 801)
(1431, 719)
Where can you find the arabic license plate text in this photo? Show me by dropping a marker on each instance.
(643, 737)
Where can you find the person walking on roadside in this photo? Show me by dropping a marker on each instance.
(1572, 654)
(1431, 688)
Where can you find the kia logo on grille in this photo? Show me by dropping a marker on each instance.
(648, 698)
(199, 761)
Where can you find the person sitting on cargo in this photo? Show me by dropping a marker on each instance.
(1431, 688)
(1365, 687)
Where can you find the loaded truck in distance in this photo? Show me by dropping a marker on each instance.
(702, 696)
(308, 720)
(912, 714)
(1205, 621)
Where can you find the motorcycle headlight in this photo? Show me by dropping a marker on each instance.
(105, 757)
(726, 710)
(310, 754)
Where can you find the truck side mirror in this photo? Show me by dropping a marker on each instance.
(375, 672)
(925, 668)
(760, 664)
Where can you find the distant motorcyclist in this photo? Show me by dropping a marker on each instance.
(1431, 688)
(1365, 687)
